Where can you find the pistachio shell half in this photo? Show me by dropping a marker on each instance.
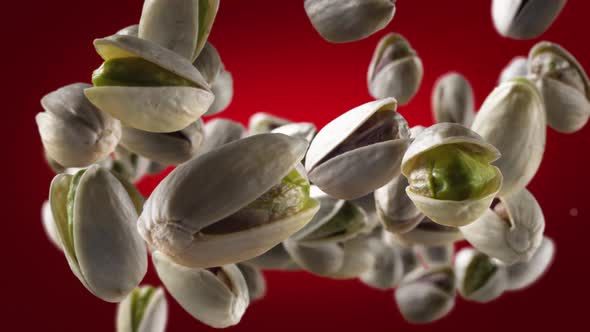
(395, 70)
(524, 19)
(479, 277)
(522, 275)
(219, 132)
(261, 123)
(395, 209)
(387, 269)
(517, 67)
(254, 280)
(428, 233)
(49, 225)
(144, 310)
(452, 100)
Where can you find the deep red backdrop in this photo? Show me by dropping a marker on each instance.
(281, 65)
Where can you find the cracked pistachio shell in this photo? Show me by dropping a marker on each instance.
(261, 123)
(449, 212)
(436, 254)
(387, 269)
(186, 217)
(511, 232)
(452, 100)
(524, 19)
(429, 233)
(354, 154)
(254, 280)
(277, 258)
(219, 79)
(155, 109)
(395, 70)
(564, 84)
(217, 296)
(144, 310)
(132, 30)
(304, 130)
(342, 21)
(49, 225)
(90, 209)
(480, 278)
(426, 294)
(219, 132)
(512, 118)
(395, 209)
(517, 67)
(524, 274)
(74, 133)
(179, 25)
(165, 148)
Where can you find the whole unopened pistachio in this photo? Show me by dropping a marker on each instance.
(524, 274)
(230, 204)
(426, 295)
(433, 255)
(479, 277)
(305, 130)
(452, 100)
(512, 118)
(261, 123)
(216, 296)
(254, 280)
(146, 86)
(277, 258)
(49, 225)
(90, 209)
(341, 21)
(517, 67)
(359, 151)
(450, 174)
(219, 132)
(144, 310)
(387, 269)
(511, 231)
(74, 133)
(395, 70)
(211, 67)
(429, 233)
(395, 209)
(524, 19)
(564, 85)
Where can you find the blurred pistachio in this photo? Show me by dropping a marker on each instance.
(251, 195)
(524, 19)
(564, 85)
(261, 123)
(367, 203)
(517, 67)
(524, 274)
(429, 233)
(359, 151)
(254, 280)
(435, 255)
(452, 100)
(49, 225)
(146, 86)
(277, 258)
(74, 133)
(395, 209)
(426, 295)
(216, 296)
(90, 209)
(219, 132)
(129, 165)
(450, 174)
(220, 80)
(387, 269)
(144, 310)
(342, 21)
(304, 130)
(512, 118)
(480, 278)
(395, 70)
(511, 231)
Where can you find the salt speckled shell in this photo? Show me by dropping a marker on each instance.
(517, 67)
(219, 132)
(522, 19)
(452, 100)
(154, 318)
(493, 288)
(524, 274)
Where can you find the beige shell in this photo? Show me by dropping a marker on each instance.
(433, 255)
(277, 258)
(447, 212)
(262, 122)
(360, 171)
(219, 132)
(491, 288)
(395, 209)
(512, 118)
(387, 269)
(209, 63)
(130, 165)
(49, 225)
(155, 109)
(517, 67)
(524, 274)
(155, 312)
(452, 99)
(524, 19)
(428, 233)
(254, 279)
(514, 238)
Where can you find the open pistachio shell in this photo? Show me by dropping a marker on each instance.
(517, 67)
(49, 225)
(395, 209)
(524, 19)
(479, 277)
(450, 212)
(277, 258)
(190, 219)
(512, 118)
(304, 130)
(426, 295)
(151, 108)
(219, 132)
(511, 231)
(564, 84)
(217, 296)
(524, 274)
(387, 269)
(90, 209)
(254, 280)
(74, 133)
(166, 148)
(261, 123)
(395, 70)
(433, 255)
(144, 310)
(452, 99)
(428, 233)
(359, 151)
(342, 21)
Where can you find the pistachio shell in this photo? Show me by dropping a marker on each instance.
(429, 233)
(218, 301)
(304, 130)
(219, 132)
(49, 225)
(322, 260)
(479, 277)
(517, 67)
(396, 211)
(130, 165)
(433, 255)
(277, 258)
(358, 258)
(524, 19)
(452, 100)
(154, 310)
(387, 269)
(341, 21)
(524, 274)
(251, 166)
(512, 235)
(254, 279)
(223, 89)
(368, 205)
(209, 63)
(261, 123)
(512, 118)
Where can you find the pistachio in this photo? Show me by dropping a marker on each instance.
(129, 165)
(342, 21)
(220, 80)
(395, 70)
(144, 310)
(433, 255)
(90, 209)
(304, 130)
(277, 258)
(524, 274)
(524, 19)
(387, 269)
(359, 151)
(512, 118)
(429, 233)
(49, 225)
(517, 67)
(254, 280)
(74, 133)
(479, 277)
(395, 209)
(219, 132)
(261, 123)
(452, 100)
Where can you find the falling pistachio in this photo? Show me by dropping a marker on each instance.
(144, 310)
(219, 132)
(254, 280)
(305, 130)
(49, 225)
(479, 277)
(261, 123)
(517, 67)
(452, 100)
(387, 269)
(524, 19)
(429, 233)
(524, 274)
(219, 79)
(433, 255)
(395, 209)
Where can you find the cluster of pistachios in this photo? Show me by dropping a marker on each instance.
(365, 197)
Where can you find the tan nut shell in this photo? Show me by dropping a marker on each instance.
(493, 288)
(524, 19)
(395, 209)
(254, 279)
(452, 99)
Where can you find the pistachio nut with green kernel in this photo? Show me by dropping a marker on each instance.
(144, 310)
(480, 278)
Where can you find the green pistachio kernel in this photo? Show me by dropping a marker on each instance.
(135, 72)
(479, 271)
(347, 221)
(452, 172)
(140, 299)
(70, 208)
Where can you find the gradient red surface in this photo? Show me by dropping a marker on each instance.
(281, 65)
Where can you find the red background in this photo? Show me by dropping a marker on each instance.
(281, 65)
